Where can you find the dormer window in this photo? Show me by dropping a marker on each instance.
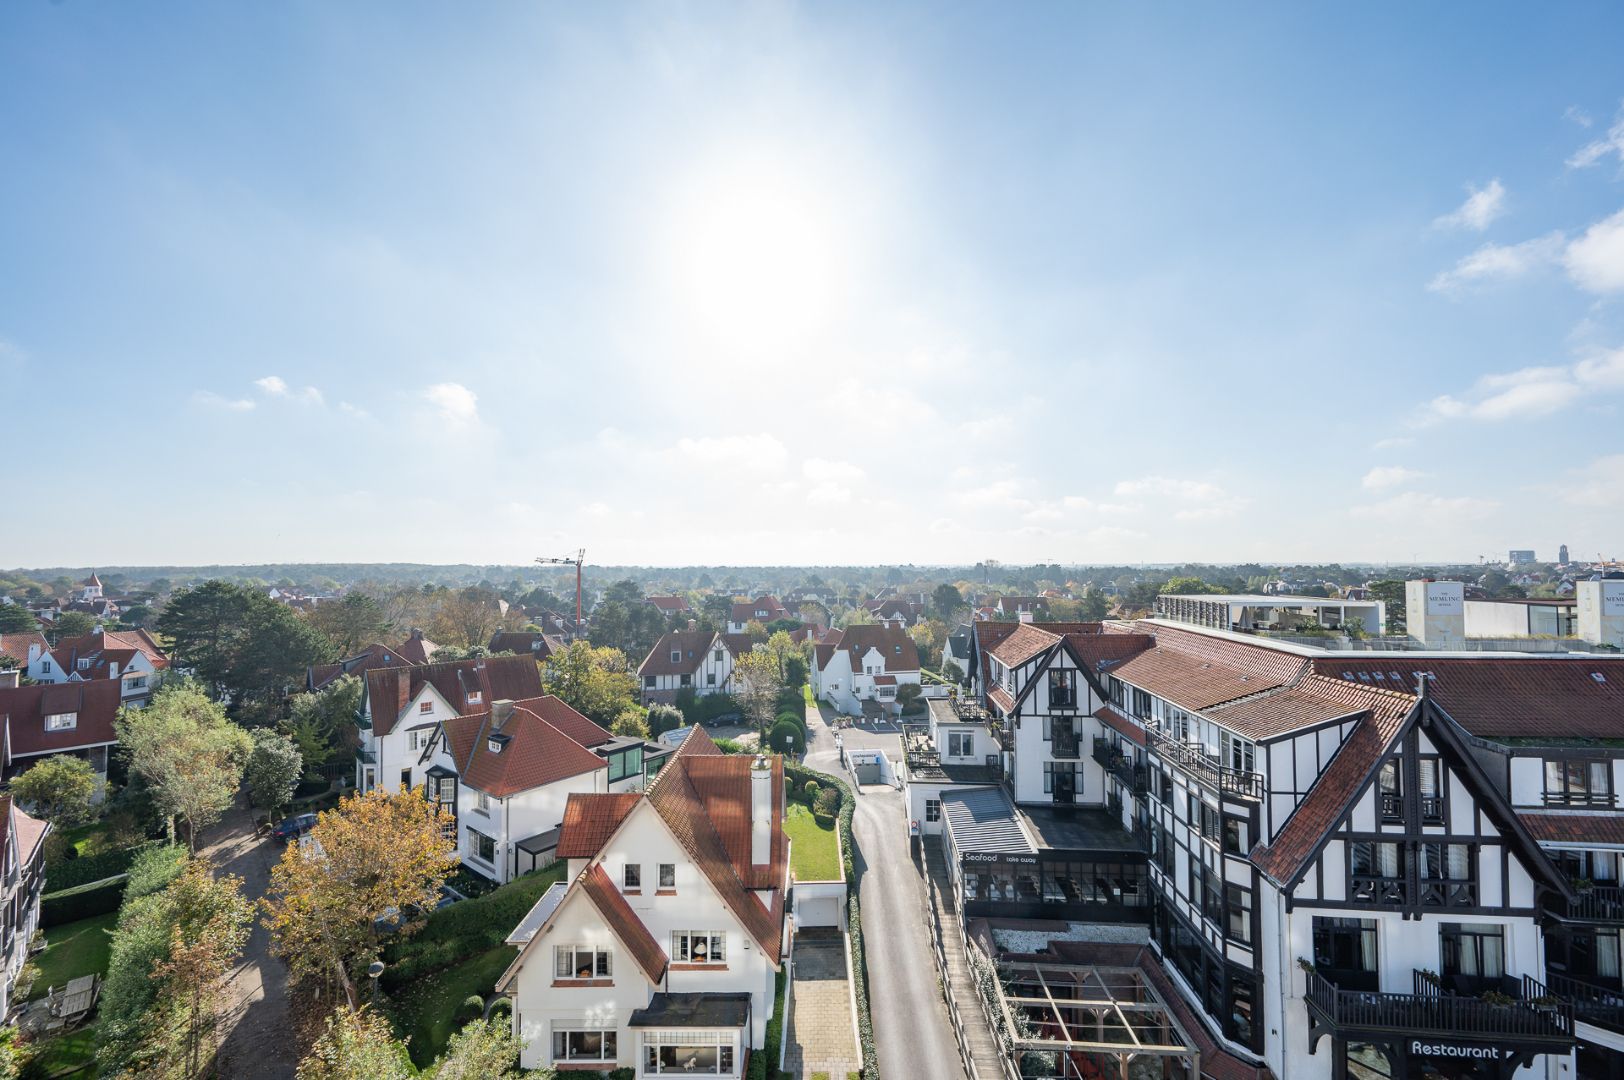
(84, 663)
(676, 656)
(497, 743)
(62, 721)
(475, 697)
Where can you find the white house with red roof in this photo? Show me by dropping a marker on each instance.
(130, 656)
(402, 708)
(701, 660)
(660, 950)
(864, 665)
(67, 718)
(505, 772)
(763, 609)
(31, 652)
(22, 878)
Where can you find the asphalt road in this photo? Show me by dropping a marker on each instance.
(911, 1031)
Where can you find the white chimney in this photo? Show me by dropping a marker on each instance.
(761, 811)
(1025, 616)
(10, 678)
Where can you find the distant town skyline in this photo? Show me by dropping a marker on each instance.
(838, 284)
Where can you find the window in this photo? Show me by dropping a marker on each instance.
(481, 847)
(699, 947)
(1063, 773)
(1472, 951)
(84, 663)
(648, 682)
(676, 656)
(1446, 862)
(475, 697)
(1236, 753)
(1377, 873)
(710, 678)
(687, 680)
(1431, 773)
(1392, 792)
(425, 707)
(419, 737)
(62, 721)
(584, 1044)
(1211, 821)
(933, 809)
(668, 875)
(1141, 704)
(1239, 913)
(960, 743)
(1345, 952)
(688, 1052)
(482, 803)
(1571, 781)
(581, 962)
(717, 656)
(1237, 835)
(632, 876)
(1062, 689)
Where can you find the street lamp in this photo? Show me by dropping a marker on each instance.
(374, 970)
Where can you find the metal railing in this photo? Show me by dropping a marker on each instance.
(1536, 1014)
(1135, 778)
(1205, 768)
(1600, 903)
(961, 1038)
(1591, 1004)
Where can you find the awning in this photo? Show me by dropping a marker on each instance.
(984, 820)
(540, 843)
(693, 1011)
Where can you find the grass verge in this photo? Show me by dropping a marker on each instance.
(74, 949)
(428, 1013)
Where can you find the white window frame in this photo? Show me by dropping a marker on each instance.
(424, 708)
(567, 962)
(682, 942)
(724, 1040)
(62, 721)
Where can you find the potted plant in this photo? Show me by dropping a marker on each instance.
(1495, 997)
(1306, 965)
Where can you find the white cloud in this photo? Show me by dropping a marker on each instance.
(351, 410)
(823, 470)
(1499, 262)
(272, 386)
(1412, 506)
(1529, 392)
(759, 453)
(1578, 116)
(1595, 261)
(1611, 144)
(210, 399)
(1394, 442)
(989, 427)
(1601, 483)
(1604, 372)
(1481, 207)
(312, 395)
(1195, 500)
(457, 405)
(1386, 476)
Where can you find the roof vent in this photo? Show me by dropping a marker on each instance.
(1598, 676)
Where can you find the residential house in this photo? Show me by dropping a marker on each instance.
(504, 772)
(1011, 607)
(130, 656)
(763, 609)
(31, 651)
(402, 707)
(65, 718)
(417, 649)
(538, 645)
(956, 650)
(862, 667)
(668, 606)
(701, 660)
(660, 951)
(321, 676)
(897, 612)
(22, 879)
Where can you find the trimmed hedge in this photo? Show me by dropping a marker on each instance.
(764, 1062)
(466, 928)
(798, 775)
(82, 902)
(71, 873)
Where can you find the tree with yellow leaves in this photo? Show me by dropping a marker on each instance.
(375, 855)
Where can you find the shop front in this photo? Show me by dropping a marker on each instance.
(1434, 1056)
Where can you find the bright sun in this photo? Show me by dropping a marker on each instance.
(759, 255)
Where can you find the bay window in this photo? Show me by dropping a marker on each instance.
(688, 1052)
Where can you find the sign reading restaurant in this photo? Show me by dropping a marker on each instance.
(1455, 1050)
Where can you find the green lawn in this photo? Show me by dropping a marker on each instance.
(806, 692)
(814, 853)
(428, 1011)
(74, 949)
(65, 1055)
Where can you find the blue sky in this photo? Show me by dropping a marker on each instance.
(825, 283)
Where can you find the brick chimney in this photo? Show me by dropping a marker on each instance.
(761, 811)
(501, 713)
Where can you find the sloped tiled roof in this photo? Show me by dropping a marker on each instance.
(1026, 642)
(373, 656)
(1506, 696)
(624, 922)
(590, 819)
(103, 647)
(690, 647)
(724, 789)
(16, 645)
(536, 753)
(417, 649)
(528, 642)
(1100, 650)
(1600, 827)
(1198, 672)
(1312, 700)
(669, 603)
(1122, 726)
(898, 649)
(23, 710)
(391, 689)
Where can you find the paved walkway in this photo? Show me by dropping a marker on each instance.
(983, 1048)
(258, 1043)
(911, 1031)
(819, 1034)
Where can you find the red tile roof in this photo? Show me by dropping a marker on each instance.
(1313, 700)
(373, 656)
(669, 603)
(1024, 643)
(104, 647)
(536, 752)
(1197, 672)
(894, 645)
(23, 710)
(746, 611)
(417, 649)
(389, 690)
(1504, 696)
(624, 922)
(1100, 650)
(1124, 727)
(690, 646)
(16, 645)
(723, 785)
(1597, 827)
(527, 642)
(590, 820)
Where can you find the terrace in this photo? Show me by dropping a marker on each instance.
(1134, 777)
(1204, 768)
(1525, 1010)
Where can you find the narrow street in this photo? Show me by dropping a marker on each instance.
(912, 1034)
(257, 1044)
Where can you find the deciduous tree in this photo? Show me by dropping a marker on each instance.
(273, 770)
(595, 682)
(59, 788)
(320, 722)
(189, 754)
(756, 683)
(379, 852)
(350, 624)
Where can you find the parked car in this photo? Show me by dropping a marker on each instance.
(294, 827)
(390, 921)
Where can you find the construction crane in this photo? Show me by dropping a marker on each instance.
(580, 557)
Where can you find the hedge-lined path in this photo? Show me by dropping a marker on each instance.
(818, 1033)
(259, 1042)
(912, 1035)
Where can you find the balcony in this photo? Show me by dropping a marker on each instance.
(1526, 1012)
(1592, 1004)
(1205, 768)
(1064, 742)
(1133, 777)
(1398, 891)
(1598, 904)
(365, 756)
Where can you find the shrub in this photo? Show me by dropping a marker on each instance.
(87, 868)
(465, 929)
(784, 735)
(153, 869)
(828, 803)
(82, 902)
(471, 1009)
(625, 1072)
(663, 718)
(810, 792)
(730, 746)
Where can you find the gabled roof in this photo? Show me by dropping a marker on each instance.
(746, 611)
(373, 656)
(530, 642)
(590, 819)
(1311, 701)
(624, 922)
(417, 649)
(690, 647)
(536, 752)
(668, 604)
(1197, 672)
(389, 690)
(104, 647)
(16, 645)
(894, 645)
(1023, 644)
(23, 709)
(738, 644)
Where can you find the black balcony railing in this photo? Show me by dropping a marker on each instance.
(1533, 1013)
(1205, 768)
(1598, 904)
(365, 756)
(1579, 798)
(1392, 806)
(1375, 889)
(1133, 777)
(1591, 1004)
(1432, 809)
(1439, 892)
(1064, 743)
